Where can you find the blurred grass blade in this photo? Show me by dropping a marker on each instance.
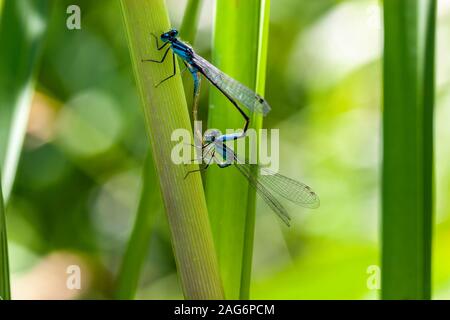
(188, 32)
(22, 29)
(5, 291)
(236, 51)
(188, 29)
(1, 8)
(408, 148)
(264, 11)
(165, 111)
(150, 201)
(150, 204)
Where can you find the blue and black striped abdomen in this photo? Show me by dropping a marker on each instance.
(182, 50)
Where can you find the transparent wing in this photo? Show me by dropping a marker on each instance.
(290, 189)
(271, 201)
(251, 100)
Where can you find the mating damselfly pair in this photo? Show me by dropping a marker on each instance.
(214, 144)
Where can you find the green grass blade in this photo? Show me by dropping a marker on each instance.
(189, 25)
(150, 200)
(150, 204)
(247, 258)
(22, 29)
(428, 18)
(165, 110)
(5, 290)
(408, 148)
(237, 52)
(188, 32)
(1, 8)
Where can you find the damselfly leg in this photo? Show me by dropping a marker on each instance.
(157, 42)
(206, 166)
(174, 71)
(159, 48)
(158, 61)
(246, 118)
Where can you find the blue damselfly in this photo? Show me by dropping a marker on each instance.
(214, 149)
(230, 88)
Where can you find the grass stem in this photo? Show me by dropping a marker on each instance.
(150, 200)
(150, 204)
(233, 38)
(408, 148)
(165, 111)
(22, 43)
(5, 290)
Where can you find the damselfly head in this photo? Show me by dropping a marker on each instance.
(169, 35)
(211, 135)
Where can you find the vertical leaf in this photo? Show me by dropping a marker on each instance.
(1, 8)
(136, 252)
(256, 124)
(408, 148)
(188, 33)
(22, 29)
(165, 111)
(189, 24)
(150, 199)
(5, 291)
(238, 51)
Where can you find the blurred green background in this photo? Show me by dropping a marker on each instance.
(79, 177)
